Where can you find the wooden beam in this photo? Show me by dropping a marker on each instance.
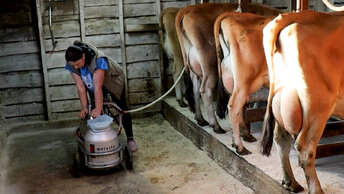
(304, 5)
(43, 58)
(161, 40)
(325, 150)
(123, 47)
(333, 129)
(141, 27)
(253, 115)
(82, 20)
(301, 5)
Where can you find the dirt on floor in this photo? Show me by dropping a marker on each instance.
(165, 162)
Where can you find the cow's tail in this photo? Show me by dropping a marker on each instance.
(189, 92)
(161, 17)
(270, 35)
(222, 102)
(181, 37)
(223, 95)
(180, 34)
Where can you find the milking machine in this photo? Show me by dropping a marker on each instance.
(99, 147)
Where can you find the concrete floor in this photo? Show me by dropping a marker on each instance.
(330, 170)
(38, 161)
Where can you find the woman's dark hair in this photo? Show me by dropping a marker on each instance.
(73, 53)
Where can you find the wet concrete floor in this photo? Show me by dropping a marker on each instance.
(38, 161)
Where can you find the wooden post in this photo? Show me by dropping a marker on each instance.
(161, 42)
(301, 5)
(304, 5)
(43, 59)
(289, 5)
(123, 48)
(82, 20)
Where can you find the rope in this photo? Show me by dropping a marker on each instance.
(160, 98)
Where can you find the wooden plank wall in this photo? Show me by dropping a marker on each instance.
(21, 80)
(125, 30)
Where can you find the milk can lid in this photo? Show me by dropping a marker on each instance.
(101, 122)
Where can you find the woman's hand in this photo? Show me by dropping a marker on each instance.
(83, 113)
(96, 112)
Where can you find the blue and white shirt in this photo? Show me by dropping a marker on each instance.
(86, 75)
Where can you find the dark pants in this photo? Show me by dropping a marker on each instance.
(122, 103)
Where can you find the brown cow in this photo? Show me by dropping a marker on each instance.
(171, 48)
(243, 68)
(194, 25)
(304, 53)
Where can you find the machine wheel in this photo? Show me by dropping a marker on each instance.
(75, 170)
(128, 159)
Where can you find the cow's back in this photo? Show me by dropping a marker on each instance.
(261, 9)
(318, 48)
(200, 18)
(244, 35)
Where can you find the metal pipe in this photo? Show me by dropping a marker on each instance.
(50, 27)
(333, 7)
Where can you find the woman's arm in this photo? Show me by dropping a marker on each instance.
(98, 80)
(82, 94)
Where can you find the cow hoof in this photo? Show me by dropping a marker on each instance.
(294, 188)
(219, 130)
(202, 122)
(182, 103)
(249, 138)
(242, 152)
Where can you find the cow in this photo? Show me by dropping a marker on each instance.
(304, 53)
(241, 65)
(194, 25)
(171, 48)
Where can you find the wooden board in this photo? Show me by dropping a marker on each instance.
(143, 85)
(15, 34)
(104, 11)
(16, 63)
(21, 95)
(101, 26)
(64, 92)
(143, 97)
(21, 79)
(142, 53)
(21, 110)
(60, 76)
(17, 48)
(62, 29)
(143, 70)
(66, 105)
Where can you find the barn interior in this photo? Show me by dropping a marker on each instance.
(39, 103)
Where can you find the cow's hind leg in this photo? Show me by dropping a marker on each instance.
(235, 107)
(306, 146)
(198, 113)
(207, 90)
(282, 139)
